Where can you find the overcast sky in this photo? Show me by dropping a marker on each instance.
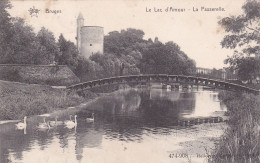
(197, 33)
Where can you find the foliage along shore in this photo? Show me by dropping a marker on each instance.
(241, 141)
(19, 100)
(125, 52)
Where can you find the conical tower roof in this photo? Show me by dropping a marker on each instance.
(80, 16)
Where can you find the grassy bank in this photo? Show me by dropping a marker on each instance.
(18, 100)
(241, 141)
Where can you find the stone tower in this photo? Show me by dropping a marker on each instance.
(80, 24)
(90, 39)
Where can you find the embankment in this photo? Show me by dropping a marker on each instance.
(241, 141)
(38, 74)
(19, 99)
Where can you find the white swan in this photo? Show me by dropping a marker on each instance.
(70, 123)
(21, 125)
(92, 119)
(68, 120)
(65, 122)
(43, 126)
(44, 122)
(56, 122)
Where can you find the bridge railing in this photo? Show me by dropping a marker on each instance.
(164, 78)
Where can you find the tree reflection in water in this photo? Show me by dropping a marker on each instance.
(124, 116)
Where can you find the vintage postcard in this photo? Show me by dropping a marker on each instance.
(129, 81)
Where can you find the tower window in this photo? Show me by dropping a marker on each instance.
(90, 44)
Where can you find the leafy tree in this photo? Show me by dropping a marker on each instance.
(244, 37)
(88, 70)
(141, 56)
(18, 42)
(69, 53)
(49, 51)
(166, 59)
(248, 68)
(23, 43)
(115, 66)
(109, 62)
(5, 30)
(121, 43)
(126, 52)
(22, 47)
(216, 74)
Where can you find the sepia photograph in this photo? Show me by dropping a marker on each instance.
(130, 81)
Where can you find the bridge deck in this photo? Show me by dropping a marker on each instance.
(166, 79)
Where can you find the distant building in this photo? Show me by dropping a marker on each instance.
(204, 71)
(90, 39)
(224, 74)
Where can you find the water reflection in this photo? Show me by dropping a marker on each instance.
(128, 121)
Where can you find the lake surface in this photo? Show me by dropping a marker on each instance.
(136, 125)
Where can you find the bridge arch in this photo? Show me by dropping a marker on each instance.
(164, 78)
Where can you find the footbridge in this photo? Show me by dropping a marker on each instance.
(166, 79)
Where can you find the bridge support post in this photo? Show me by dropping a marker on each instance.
(174, 80)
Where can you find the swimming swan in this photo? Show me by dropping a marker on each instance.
(91, 119)
(68, 120)
(70, 123)
(45, 125)
(56, 122)
(21, 125)
(44, 122)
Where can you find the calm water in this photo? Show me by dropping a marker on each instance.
(130, 126)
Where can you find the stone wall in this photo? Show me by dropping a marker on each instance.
(38, 74)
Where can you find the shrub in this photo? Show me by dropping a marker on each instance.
(241, 141)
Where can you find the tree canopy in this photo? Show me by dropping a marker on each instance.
(146, 55)
(5, 30)
(121, 43)
(244, 37)
(125, 52)
(166, 58)
(68, 53)
(20, 45)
